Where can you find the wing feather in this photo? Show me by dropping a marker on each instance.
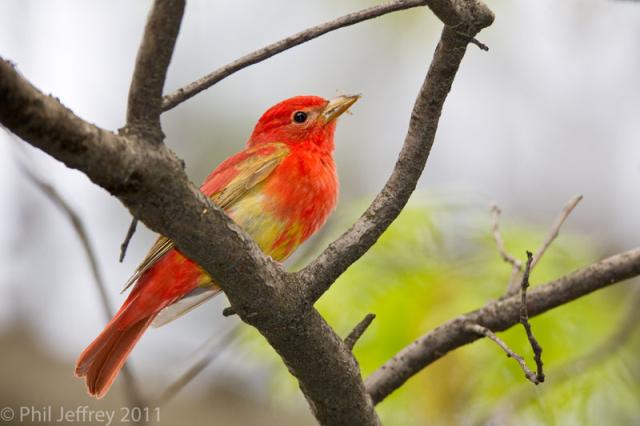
(225, 186)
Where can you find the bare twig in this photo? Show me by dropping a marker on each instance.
(537, 377)
(358, 331)
(555, 228)
(276, 303)
(499, 316)
(474, 41)
(450, 13)
(515, 280)
(152, 62)
(212, 348)
(131, 387)
(497, 236)
(524, 320)
(266, 52)
(484, 331)
(611, 345)
(127, 239)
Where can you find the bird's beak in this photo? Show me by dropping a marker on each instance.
(337, 106)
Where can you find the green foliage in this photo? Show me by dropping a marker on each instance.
(437, 262)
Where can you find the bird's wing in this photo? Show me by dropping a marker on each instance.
(185, 304)
(225, 185)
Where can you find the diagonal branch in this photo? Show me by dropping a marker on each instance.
(152, 62)
(172, 100)
(484, 331)
(151, 182)
(450, 13)
(516, 265)
(498, 316)
(127, 238)
(611, 345)
(358, 331)
(385, 208)
(555, 229)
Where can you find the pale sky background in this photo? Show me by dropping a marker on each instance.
(552, 110)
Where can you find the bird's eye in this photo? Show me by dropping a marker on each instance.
(299, 116)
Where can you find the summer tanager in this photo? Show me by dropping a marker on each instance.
(281, 188)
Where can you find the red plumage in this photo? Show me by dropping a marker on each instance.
(280, 189)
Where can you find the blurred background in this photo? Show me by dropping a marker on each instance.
(552, 110)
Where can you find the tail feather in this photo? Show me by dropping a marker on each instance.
(103, 359)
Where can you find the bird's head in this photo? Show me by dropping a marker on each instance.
(302, 119)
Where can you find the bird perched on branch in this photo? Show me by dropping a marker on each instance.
(281, 188)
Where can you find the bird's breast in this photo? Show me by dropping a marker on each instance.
(291, 205)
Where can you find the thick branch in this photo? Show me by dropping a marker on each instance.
(451, 13)
(150, 181)
(498, 316)
(350, 246)
(152, 62)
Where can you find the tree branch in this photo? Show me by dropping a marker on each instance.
(497, 237)
(450, 13)
(350, 246)
(609, 346)
(172, 100)
(152, 62)
(484, 331)
(524, 320)
(127, 238)
(358, 331)
(498, 316)
(554, 231)
(555, 228)
(151, 182)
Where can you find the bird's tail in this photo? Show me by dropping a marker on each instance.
(103, 359)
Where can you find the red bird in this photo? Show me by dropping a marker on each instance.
(281, 188)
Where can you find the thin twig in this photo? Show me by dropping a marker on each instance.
(130, 384)
(474, 41)
(497, 236)
(516, 265)
(554, 231)
(213, 347)
(484, 331)
(480, 44)
(228, 311)
(358, 331)
(266, 52)
(127, 239)
(555, 228)
(611, 345)
(498, 316)
(524, 320)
